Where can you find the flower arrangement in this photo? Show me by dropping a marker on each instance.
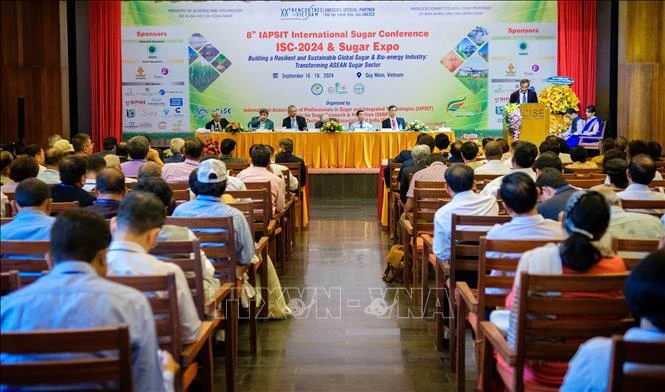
(211, 148)
(416, 126)
(559, 98)
(332, 127)
(512, 116)
(234, 127)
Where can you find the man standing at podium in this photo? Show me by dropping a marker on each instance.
(524, 94)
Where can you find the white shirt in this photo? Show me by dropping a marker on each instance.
(565, 158)
(493, 166)
(463, 203)
(49, 176)
(279, 171)
(625, 224)
(234, 184)
(364, 127)
(130, 259)
(492, 188)
(640, 192)
(3, 202)
(90, 184)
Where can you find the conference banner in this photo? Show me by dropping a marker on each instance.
(438, 62)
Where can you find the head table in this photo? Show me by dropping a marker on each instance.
(356, 150)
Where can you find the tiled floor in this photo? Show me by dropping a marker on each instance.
(352, 332)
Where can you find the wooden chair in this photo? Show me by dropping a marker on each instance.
(181, 195)
(56, 208)
(585, 183)
(296, 171)
(5, 220)
(279, 233)
(237, 167)
(430, 184)
(651, 207)
(570, 321)
(472, 304)
(167, 323)
(33, 263)
(592, 142)
(582, 172)
(486, 177)
(9, 281)
(657, 184)
(68, 370)
(394, 211)
(633, 250)
(636, 353)
(179, 186)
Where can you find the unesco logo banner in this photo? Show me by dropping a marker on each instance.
(299, 13)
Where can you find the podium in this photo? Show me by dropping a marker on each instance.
(535, 123)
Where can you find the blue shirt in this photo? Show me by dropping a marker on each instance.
(28, 225)
(73, 296)
(210, 206)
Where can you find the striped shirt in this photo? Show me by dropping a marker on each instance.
(179, 172)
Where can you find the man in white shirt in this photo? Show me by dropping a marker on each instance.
(524, 155)
(280, 169)
(52, 160)
(470, 155)
(459, 184)
(494, 165)
(361, 125)
(135, 229)
(641, 172)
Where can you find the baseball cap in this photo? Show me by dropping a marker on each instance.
(211, 171)
(63, 145)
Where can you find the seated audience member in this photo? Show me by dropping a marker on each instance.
(64, 146)
(50, 142)
(176, 146)
(208, 183)
(135, 228)
(524, 156)
(655, 151)
(227, 147)
(149, 169)
(579, 157)
(624, 224)
(585, 220)
(162, 190)
(605, 146)
(138, 148)
(505, 148)
(426, 140)
(6, 159)
(74, 294)
(280, 169)
(111, 189)
(36, 151)
(419, 155)
(589, 369)
(82, 144)
(637, 147)
(122, 151)
(22, 167)
(323, 119)
(554, 193)
(261, 122)
(442, 142)
(285, 155)
(494, 165)
(112, 162)
(485, 141)
(547, 159)
(641, 172)
(435, 171)
(52, 160)
(509, 162)
(393, 122)
(179, 172)
(72, 175)
(259, 172)
(564, 150)
(95, 165)
(456, 152)
(459, 185)
(616, 170)
(108, 144)
(621, 144)
(403, 156)
(32, 223)
(470, 155)
(362, 125)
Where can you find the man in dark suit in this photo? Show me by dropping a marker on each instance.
(285, 155)
(393, 122)
(554, 193)
(524, 94)
(217, 123)
(323, 118)
(294, 121)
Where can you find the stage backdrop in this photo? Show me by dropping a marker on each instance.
(452, 62)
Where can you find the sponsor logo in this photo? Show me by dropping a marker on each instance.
(146, 124)
(134, 102)
(177, 110)
(149, 113)
(152, 49)
(129, 92)
(140, 73)
(501, 99)
(130, 113)
(510, 70)
(157, 103)
(222, 110)
(317, 89)
(175, 101)
(359, 89)
(499, 110)
(534, 30)
(177, 126)
(162, 91)
(131, 124)
(201, 113)
(523, 46)
(162, 125)
(165, 71)
(456, 107)
(535, 68)
(338, 88)
(300, 13)
(166, 111)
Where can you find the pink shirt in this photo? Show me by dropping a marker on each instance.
(434, 172)
(179, 172)
(262, 174)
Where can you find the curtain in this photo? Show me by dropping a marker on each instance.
(105, 70)
(576, 57)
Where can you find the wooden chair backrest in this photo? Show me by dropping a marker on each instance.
(163, 298)
(186, 255)
(248, 211)
(587, 171)
(181, 194)
(652, 207)
(56, 207)
(510, 252)
(565, 322)
(657, 184)
(5, 220)
(11, 196)
(179, 186)
(425, 204)
(33, 264)
(465, 243)
(585, 183)
(69, 370)
(485, 177)
(430, 184)
(217, 239)
(651, 354)
(394, 173)
(578, 176)
(262, 205)
(294, 168)
(637, 249)
(237, 167)
(9, 281)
